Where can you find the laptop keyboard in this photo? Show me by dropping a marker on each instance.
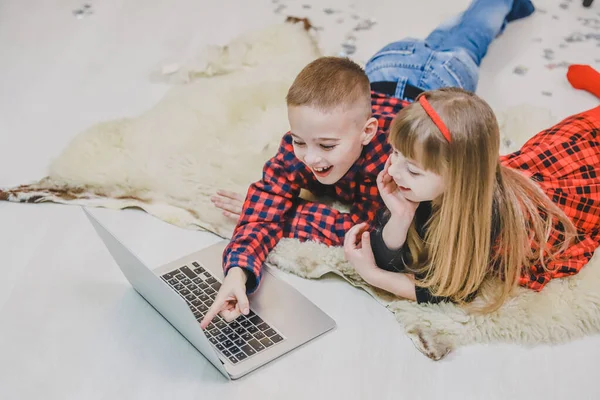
(238, 340)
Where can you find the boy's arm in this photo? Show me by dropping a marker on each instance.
(322, 223)
(264, 213)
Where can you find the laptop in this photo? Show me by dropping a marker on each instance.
(281, 319)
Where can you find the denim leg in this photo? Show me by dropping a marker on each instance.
(473, 30)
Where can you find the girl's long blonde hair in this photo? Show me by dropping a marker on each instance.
(491, 221)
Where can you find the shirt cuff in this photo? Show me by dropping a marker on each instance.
(252, 281)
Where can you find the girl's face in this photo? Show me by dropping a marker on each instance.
(415, 183)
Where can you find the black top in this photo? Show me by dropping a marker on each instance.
(397, 260)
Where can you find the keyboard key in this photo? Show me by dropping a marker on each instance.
(190, 297)
(188, 272)
(270, 332)
(221, 337)
(186, 281)
(197, 303)
(248, 350)
(226, 353)
(276, 338)
(197, 281)
(197, 292)
(220, 346)
(168, 276)
(203, 297)
(179, 286)
(234, 350)
(240, 331)
(263, 327)
(233, 336)
(220, 324)
(211, 280)
(211, 327)
(209, 302)
(210, 291)
(228, 343)
(233, 360)
(180, 276)
(202, 308)
(173, 282)
(216, 286)
(246, 336)
(246, 323)
(256, 345)
(202, 285)
(239, 342)
(227, 330)
(199, 270)
(252, 329)
(184, 292)
(259, 335)
(195, 264)
(197, 315)
(192, 287)
(266, 342)
(207, 275)
(241, 356)
(214, 341)
(256, 320)
(234, 325)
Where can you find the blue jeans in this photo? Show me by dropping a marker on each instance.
(449, 56)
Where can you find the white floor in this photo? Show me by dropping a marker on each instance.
(71, 327)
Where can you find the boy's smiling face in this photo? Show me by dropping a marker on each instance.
(329, 143)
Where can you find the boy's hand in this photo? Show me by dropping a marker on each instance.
(231, 301)
(358, 252)
(394, 200)
(230, 202)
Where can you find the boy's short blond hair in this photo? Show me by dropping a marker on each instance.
(329, 83)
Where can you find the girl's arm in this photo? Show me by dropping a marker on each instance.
(397, 283)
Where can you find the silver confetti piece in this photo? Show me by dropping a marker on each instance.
(562, 64)
(507, 142)
(548, 94)
(348, 49)
(280, 8)
(328, 10)
(306, 6)
(564, 6)
(575, 37)
(520, 70)
(365, 25)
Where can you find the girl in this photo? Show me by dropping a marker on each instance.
(460, 217)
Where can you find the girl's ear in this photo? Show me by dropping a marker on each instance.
(369, 131)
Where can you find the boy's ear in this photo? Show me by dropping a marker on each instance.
(369, 131)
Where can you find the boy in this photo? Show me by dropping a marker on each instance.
(339, 118)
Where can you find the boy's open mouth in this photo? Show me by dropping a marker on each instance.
(322, 172)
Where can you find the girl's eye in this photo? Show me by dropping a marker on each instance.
(328, 147)
(413, 173)
(297, 143)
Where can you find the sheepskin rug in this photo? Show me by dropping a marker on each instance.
(221, 120)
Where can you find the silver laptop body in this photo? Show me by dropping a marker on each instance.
(281, 318)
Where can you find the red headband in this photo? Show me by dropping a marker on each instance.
(435, 118)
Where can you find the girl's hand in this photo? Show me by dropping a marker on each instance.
(230, 202)
(393, 198)
(358, 252)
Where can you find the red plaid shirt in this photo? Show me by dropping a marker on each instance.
(564, 160)
(273, 210)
